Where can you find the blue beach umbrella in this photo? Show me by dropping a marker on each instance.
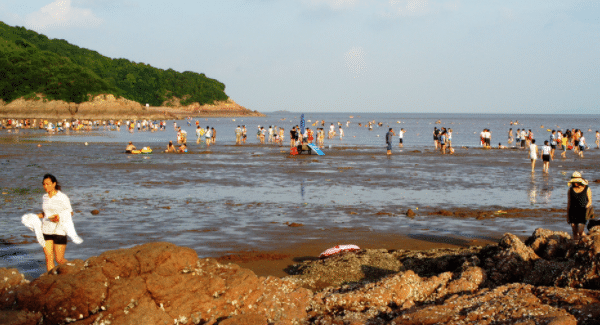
(302, 124)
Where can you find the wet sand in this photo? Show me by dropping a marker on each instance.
(263, 209)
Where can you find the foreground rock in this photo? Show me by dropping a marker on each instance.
(547, 279)
(156, 283)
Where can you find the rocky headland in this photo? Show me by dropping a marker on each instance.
(548, 279)
(106, 107)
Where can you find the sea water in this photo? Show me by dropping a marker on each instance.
(219, 198)
(419, 128)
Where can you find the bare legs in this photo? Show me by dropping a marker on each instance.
(578, 231)
(53, 252)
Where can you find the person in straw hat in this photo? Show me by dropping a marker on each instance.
(579, 200)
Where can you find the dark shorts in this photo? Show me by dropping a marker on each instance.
(522, 143)
(553, 146)
(575, 143)
(58, 239)
(545, 157)
(389, 146)
(581, 148)
(400, 140)
(487, 141)
(577, 216)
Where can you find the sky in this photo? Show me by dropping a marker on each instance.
(411, 56)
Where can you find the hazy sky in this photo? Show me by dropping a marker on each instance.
(351, 55)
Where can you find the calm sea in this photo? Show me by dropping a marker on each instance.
(229, 197)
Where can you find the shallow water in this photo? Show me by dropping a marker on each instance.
(419, 128)
(228, 197)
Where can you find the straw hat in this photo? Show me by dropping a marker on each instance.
(576, 178)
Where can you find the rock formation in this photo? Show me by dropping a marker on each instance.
(548, 279)
(223, 108)
(110, 107)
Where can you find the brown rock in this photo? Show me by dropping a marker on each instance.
(549, 244)
(246, 319)
(469, 281)
(155, 283)
(95, 212)
(512, 304)
(160, 283)
(410, 213)
(10, 278)
(20, 317)
(444, 213)
(510, 261)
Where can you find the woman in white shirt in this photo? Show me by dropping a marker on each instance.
(401, 138)
(582, 145)
(533, 152)
(57, 222)
(546, 155)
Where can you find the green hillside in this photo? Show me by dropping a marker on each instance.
(32, 63)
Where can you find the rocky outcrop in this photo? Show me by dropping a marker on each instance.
(548, 279)
(107, 106)
(101, 106)
(156, 283)
(220, 108)
(511, 282)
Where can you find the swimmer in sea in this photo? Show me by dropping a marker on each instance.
(130, 147)
(170, 147)
(182, 148)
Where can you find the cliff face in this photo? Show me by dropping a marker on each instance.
(547, 279)
(110, 107)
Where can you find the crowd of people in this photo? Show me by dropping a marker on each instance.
(66, 125)
(564, 140)
(570, 139)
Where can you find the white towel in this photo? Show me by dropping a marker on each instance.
(66, 223)
(33, 222)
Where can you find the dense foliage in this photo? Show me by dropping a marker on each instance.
(32, 63)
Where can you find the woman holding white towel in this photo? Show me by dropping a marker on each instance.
(56, 223)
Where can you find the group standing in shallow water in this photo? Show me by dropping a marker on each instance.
(442, 140)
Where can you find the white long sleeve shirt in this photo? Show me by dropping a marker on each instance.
(61, 205)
